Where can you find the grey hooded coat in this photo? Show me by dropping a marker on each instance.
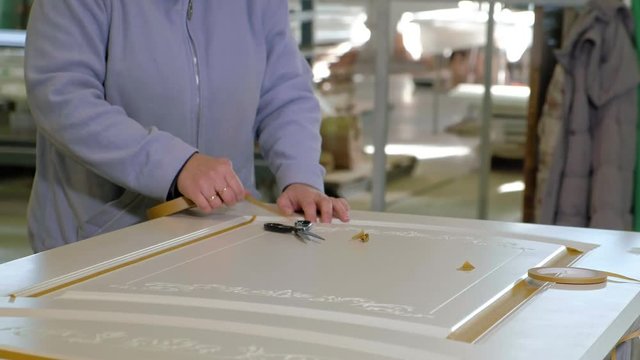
(591, 179)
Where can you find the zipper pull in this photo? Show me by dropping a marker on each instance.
(190, 10)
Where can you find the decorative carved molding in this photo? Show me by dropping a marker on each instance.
(362, 303)
(122, 339)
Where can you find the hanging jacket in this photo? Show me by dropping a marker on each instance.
(590, 181)
(123, 92)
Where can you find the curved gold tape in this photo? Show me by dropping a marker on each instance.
(274, 209)
(170, 207)
(633, 335)
(573, 276)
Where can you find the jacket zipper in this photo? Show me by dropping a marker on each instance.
(196, 71)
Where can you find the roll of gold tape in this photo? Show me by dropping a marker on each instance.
(568, 275)
(574, 276)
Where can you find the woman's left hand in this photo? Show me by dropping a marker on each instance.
(311, 201)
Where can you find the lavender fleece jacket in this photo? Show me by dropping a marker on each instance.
(123, 92)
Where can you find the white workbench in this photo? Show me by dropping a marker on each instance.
(189, 287)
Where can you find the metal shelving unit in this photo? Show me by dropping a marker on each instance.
(382, 9)
(16, 148)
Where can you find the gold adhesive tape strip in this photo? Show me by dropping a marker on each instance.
(573, 276)
(18, 355)
(137, 260)
(182, 203)
(170, 207)
(633, 335)
(621, 276)
(274, 209)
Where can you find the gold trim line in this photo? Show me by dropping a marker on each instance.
(137, 260)
(18, 355)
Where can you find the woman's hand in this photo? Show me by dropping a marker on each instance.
(311, 201)
(210, 182)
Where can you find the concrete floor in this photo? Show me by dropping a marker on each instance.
(444, 183)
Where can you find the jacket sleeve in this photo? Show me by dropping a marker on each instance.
(288, 117)
(65, 65)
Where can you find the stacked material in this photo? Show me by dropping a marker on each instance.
(509, 112)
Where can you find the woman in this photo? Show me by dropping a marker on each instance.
(140, 101)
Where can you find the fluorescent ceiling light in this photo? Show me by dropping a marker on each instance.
(422, 152)
(515, 186)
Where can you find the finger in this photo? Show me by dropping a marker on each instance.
(201, 202)
(326, 209)
(285, 204)
(214, 201)
(345, 203)
(341, 209)
(226, 195)
(310, 211)
(235, 185)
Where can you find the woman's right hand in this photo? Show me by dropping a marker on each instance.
(210, 182)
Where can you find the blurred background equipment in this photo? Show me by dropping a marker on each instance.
(14, 13)
(17, 129)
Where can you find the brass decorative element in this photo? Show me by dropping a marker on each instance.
(362, 236)
(467, 266)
